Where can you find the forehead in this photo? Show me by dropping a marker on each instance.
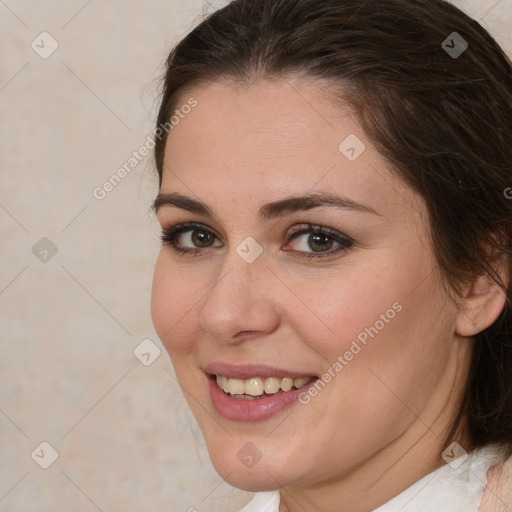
(283, 117)
(271, 139)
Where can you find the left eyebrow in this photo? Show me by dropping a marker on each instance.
(310, 201)
(270, 210)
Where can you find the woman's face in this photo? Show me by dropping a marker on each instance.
(263, 296)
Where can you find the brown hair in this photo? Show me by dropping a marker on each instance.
(444, 122)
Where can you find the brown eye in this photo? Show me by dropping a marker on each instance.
(320, 243)
(312, 241)
(201, 238)
(190, 238)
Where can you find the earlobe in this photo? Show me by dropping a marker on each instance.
(482, 305)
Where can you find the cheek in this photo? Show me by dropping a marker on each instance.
(338, 309)
(392, 338)
(173, 300)
(383, 319)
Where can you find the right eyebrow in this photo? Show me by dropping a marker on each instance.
(183, 202)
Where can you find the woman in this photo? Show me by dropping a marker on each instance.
(333, 286)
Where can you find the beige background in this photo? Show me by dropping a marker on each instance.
(68, 376)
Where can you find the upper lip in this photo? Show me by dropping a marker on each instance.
(247, 371)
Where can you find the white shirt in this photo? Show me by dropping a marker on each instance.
(457, 487)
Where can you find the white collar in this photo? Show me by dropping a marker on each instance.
(457, 487)
(264, 502)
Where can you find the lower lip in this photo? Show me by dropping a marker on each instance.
(240, 409)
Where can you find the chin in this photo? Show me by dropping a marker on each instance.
(254, 480)
(256, 476)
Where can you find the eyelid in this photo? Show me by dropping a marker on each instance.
(186, 226)
(314, 228)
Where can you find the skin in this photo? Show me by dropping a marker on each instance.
(380, 424)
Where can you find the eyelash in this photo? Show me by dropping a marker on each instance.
(170, 235)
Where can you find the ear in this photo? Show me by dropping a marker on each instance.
(482, 304)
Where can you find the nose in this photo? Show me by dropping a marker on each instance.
(242, 302)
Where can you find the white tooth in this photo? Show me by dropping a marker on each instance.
(298, 383)
(254, 387)
(236, 386)
(286, 384)
(272, 385)
(222, 382)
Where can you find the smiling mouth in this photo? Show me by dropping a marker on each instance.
(258, 387)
